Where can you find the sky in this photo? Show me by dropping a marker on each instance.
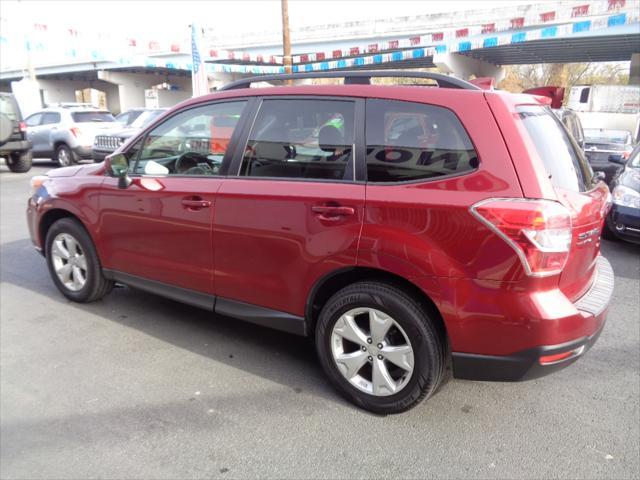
(223, 16)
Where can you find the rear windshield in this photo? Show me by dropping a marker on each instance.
(596, 135)
(566, 166)
(83, 117)
(7, 107)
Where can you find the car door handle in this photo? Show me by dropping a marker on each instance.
(195, 203)
(332, 212)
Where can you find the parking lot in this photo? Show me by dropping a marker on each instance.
(139, 386)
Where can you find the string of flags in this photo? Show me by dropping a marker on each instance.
(588, 17)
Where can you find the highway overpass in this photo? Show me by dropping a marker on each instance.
(477, 42)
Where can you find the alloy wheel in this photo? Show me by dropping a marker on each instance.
(372, 351)
(69, 261)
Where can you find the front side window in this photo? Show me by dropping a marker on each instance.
(33, 120)
(411, 141)
(301, 139)
(192, 142)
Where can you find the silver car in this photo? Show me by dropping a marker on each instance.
(66, 133)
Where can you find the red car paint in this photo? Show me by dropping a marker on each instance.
(265, 242)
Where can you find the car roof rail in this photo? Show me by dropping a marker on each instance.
(356, 77)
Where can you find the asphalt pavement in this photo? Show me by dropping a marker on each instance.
(137, 386)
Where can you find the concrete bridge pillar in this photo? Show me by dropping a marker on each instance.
(634, 69)
(131, 86)
(463, 66)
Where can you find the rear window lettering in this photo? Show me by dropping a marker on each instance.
(410, 141)
(566, 167)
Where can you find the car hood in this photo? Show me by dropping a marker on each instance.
(123, 133)
(630, 177)
(75, 170)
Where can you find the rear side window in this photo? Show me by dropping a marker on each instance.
(82, 117)
(50, 117)
(307, 139)
(411, 141)
(566, 167)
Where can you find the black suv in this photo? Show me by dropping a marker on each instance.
(14, 146)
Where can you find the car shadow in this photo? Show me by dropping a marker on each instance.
(292, 360)
(617, 252)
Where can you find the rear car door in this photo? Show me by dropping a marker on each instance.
(159, 228)
(294, 211)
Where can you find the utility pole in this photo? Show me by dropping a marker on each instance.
(286, 42)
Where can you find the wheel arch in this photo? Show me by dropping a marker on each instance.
(52, 216)
(331, 283)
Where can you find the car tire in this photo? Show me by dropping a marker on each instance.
(20, 162)
(69, 244)
(64, 156)
(608, 231)
(413, 327)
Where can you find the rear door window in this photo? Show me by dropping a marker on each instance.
(567, 168)
(50, 118)
(410, 141)
(83, 117)
(301, 139)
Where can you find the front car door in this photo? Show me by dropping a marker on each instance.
(33, 132)
(293, 213)
(48, 126)
(159, 228)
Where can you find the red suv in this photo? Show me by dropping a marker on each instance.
(407, 229)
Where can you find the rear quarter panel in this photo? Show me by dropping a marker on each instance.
(425, 229)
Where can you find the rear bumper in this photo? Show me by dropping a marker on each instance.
(15, 146)
(83, 153)
(542, 360)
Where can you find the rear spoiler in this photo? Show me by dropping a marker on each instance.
(556, 94)
(485, 83)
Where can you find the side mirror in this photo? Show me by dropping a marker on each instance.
(619, 159)
(118, 167)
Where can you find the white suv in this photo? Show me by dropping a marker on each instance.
(66, 133)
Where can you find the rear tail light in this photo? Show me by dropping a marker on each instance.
(538, 230)
(76, 132)
(23, 127)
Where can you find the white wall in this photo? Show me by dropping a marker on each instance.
(56, 91)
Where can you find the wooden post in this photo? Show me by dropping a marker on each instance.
(286, 42)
